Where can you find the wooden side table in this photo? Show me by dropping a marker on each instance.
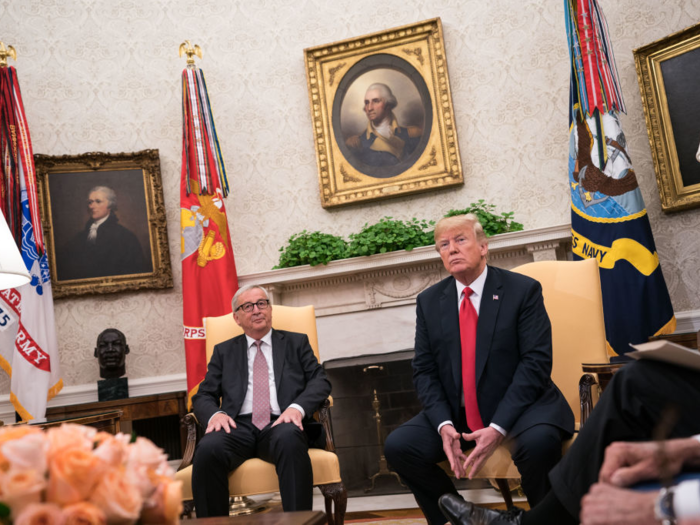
(145, 411)
(107, 422)
(687, 339)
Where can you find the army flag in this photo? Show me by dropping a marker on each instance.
(609, 221)
(208, 269)
(28, 344)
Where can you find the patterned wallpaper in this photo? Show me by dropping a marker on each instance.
(105, 76)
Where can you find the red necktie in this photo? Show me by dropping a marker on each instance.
(467, 334)
(261, 389)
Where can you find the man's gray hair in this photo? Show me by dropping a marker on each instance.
(109, 193)
(386, 94)
(244, 289)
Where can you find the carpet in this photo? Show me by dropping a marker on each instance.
(404, 516)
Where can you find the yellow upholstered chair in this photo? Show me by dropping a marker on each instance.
(256, 476)
(574, 303)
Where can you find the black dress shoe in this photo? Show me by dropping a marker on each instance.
(461, 512)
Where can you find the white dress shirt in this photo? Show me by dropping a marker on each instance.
(477, 287)
(686, 499)
(92, 234)
(266, 348)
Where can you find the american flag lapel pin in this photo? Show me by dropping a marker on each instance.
(495, 298)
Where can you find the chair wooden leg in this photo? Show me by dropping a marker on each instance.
(187, 508)
(505, 491)
(335, 496)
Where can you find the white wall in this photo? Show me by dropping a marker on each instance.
(105, 76)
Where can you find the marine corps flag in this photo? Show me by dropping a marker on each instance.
(208, 269)
(609, 221)
(28, 345)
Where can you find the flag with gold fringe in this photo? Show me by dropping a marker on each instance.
(28, 344)
(609, 221)
(208, 269)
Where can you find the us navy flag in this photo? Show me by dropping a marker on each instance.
(609, 221)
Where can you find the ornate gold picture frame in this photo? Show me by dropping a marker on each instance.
(104, 220)
(668, 72)
(398, 80)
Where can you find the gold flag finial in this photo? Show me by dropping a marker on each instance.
(187, 49)
(8, 51)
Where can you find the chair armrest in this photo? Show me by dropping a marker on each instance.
(585, 393)
(190, 422)
(324, 417)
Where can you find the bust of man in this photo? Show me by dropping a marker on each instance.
(111, 353)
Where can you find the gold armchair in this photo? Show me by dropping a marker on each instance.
(256, 476)
(574, 303)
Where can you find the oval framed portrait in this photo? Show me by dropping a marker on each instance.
(382, 118)
(382, 115)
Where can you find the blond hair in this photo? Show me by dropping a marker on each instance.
(450, 223)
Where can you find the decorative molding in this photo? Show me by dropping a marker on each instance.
(402, 289)
(501, 246)
(395, 279)
(77, 394)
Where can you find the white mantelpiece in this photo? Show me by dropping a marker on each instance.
(365, 305)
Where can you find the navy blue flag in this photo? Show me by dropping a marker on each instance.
(609, 221)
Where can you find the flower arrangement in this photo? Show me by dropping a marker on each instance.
(75, 475)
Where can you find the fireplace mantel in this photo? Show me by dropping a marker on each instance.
(365, 305)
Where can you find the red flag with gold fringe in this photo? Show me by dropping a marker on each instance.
(208, 269)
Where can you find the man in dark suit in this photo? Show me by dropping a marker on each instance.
(483, 357)
(257, 400)
(588, 484)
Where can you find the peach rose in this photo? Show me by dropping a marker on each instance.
(69, 435)
(40, 514)
(11, 433)
(165, 505)
(21, 487)
(146, 464)
(112, 449)
(144, 452)
(83, 513)
(72, 475)
(119, 499)
(27, 453)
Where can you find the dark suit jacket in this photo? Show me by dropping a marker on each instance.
(513, 355)
(299, 378)
(116, 251)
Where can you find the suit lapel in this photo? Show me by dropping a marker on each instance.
(279, 346)
(239, 362)
(449, 315)
(488, 313)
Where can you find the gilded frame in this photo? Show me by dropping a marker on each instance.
(668, 72)
(64, 184)
(412, 59)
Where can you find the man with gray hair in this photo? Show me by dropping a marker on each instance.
(482, 364)
(384, 142)
(257, 401)
(104, 247)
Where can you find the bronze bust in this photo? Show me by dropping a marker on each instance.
(111, 353)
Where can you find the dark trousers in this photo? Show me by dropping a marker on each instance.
(415, 449)
(629, 410)
(219, 453)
